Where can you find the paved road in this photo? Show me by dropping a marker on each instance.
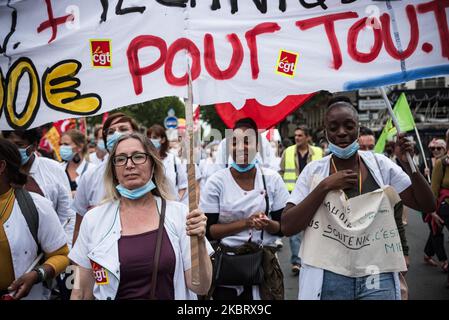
(424, 282)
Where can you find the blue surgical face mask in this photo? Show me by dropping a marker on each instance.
(156, 143)
(112, 140)
(344, 153)
(24, 157)
(244, 169)
(100, 145)
(136, 193)
(66, 153)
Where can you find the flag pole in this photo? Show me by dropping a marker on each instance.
(422, 151)
(191, 179)
(396, 124)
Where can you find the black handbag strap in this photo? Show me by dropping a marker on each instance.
(267, 200)
(157, 253)
(29, 212)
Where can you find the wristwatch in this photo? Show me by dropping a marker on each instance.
(41, 274)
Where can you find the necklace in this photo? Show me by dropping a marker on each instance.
(360, 172)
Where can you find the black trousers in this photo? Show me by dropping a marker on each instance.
(223, 293)
(435, 242)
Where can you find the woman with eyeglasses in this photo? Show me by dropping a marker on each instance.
(136, 244)
(440, 218)
(437, 148)
(91, 189)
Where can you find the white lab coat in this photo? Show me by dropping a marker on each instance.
(98, 242)
(21, 242)
(95, 160)
(91, 189)
(207, 168)
(222, 195)
(54, 183)
(384, 172)
(178, 178)
(81, 170)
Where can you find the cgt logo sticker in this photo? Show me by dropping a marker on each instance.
(100, 274)
(101, 53)
(286, 64)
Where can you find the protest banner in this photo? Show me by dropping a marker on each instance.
(61, 59)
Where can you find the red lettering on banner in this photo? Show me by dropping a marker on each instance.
(382, 35)
(211, 64)
(178, 45)
(52, 22)
(267, 27)
(414, 35)
(439, 9)
(135, 69)
(353, 34)
(329, 26)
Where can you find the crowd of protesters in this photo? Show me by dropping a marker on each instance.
(114, 212)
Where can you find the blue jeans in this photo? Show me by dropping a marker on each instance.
(375, 287)
(295, 244)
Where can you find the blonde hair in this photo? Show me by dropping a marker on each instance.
(159, 179)
(79, 139)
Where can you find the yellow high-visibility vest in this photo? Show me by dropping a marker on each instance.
(290, 176)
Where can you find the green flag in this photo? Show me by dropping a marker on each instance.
(403, 114)
(388, 133)
(405, 119)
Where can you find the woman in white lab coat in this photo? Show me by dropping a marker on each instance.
(19, 278)
(244, 203)
(117, 246)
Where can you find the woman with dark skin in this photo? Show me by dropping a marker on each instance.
(244, 203)
(357, 173)
(342, 129)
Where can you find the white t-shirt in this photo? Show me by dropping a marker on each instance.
(91, 189)
(224, 196)
(384, 172)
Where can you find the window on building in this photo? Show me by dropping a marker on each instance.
(439, 82)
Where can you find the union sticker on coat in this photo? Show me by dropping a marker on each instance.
(100, 274)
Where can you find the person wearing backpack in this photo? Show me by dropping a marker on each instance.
(28, 226)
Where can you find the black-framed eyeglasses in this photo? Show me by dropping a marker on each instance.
(137, 158)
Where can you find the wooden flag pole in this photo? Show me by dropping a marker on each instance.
(195, 270)
(396, 124)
